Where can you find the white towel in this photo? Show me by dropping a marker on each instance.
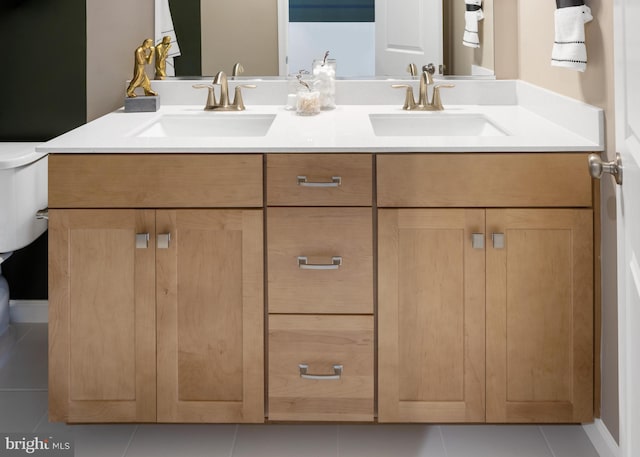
(471, 18)
(164, 27)
(569, 49)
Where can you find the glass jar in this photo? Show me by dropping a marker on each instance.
(307, 102)
(324, 76)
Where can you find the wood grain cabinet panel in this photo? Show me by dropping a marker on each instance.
(210, 316)
(540, 316)
(320, 234)
(484, 180)
(194, 289)
(321, 342)
(101, 317)
(430, 316)
(354, 172)
(155, 181)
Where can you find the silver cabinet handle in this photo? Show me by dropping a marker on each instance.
(477, 240)
(164, 239)
(303, 264)
(337, 373)
(597, 167)
(142, 240)
(498, 240)
(336, 181)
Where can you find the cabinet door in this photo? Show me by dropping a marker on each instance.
(101, 316)
(431, 324)
(540, 316)
(210, 316)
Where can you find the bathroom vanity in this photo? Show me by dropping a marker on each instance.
(333, 268)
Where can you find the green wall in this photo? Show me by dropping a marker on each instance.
(42, 95)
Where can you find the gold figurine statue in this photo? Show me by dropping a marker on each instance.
(143, 56)
(162, 51)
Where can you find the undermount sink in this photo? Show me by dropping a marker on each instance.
(208, 124)
(433, 124)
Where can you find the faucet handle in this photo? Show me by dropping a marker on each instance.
(238, 102)
(211, 98)
(409, 100)
(437, 102)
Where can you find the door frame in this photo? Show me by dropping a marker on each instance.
(283, 37)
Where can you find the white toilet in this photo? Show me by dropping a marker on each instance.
(23, 191)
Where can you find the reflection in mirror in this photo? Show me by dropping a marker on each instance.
(214, 35)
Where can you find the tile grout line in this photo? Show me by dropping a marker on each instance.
(233, 442)
(35, 429)
(444, 446)
(338, 440)
(133, 434)
(544, 437)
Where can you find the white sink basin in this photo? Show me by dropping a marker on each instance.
(433, 124)
(208, 125)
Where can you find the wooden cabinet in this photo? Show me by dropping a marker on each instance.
(431, 314)
(441, 271)
(540, 316)
(320, 269)
(210, 316)
(321, 368)
(141, 298)
(320, 235)
(470, 274)
(102, 339)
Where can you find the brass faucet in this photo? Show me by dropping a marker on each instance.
(220, 79)
(426, 80)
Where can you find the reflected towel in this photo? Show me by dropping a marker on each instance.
(569, 49)
(472, 15)
(164, 27)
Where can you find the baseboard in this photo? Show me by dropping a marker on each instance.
(29, 311)
(602, 439)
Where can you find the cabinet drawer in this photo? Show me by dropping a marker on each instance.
(154, 181)
(331, 180)
(338, 354)
(481, 180)
(338, 275)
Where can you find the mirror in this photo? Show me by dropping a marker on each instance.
(213, 35)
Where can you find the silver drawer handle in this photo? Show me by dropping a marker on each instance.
(337, 373)
(142, 240)
(336, 181)
(303, 264)
(498, 240)
(164, 240)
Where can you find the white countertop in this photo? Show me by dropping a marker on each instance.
(539, 121)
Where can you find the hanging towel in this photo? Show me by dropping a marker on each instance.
(569, 49)
(164, 27)
(472, 15)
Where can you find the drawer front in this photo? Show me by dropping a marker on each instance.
(336, 380)
(155, 181)
(320, 260)
(319, 180)
(481, 180)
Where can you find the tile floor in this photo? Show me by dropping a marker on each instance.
(23, 409)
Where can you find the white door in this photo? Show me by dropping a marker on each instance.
(627, 69)
(407, 31)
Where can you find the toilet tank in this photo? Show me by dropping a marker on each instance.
(23, 191)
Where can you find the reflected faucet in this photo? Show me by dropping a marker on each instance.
(220, 79)
(424, 104)
(237, 70)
